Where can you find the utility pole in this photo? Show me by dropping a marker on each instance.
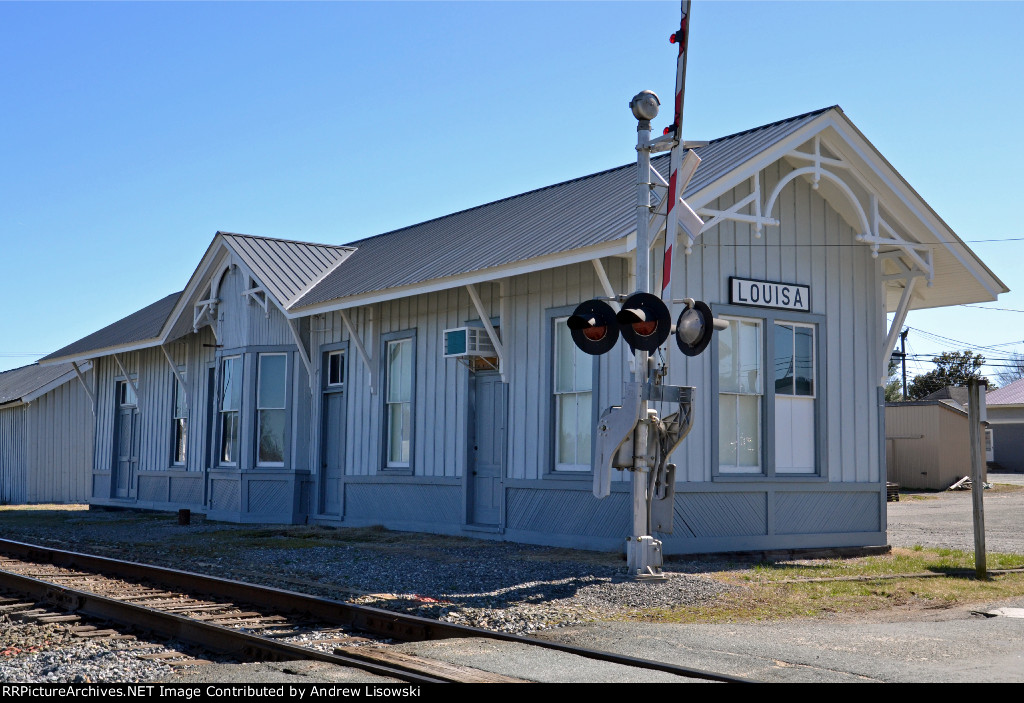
(977, 476)
(903, 359)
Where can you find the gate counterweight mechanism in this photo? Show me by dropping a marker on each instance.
(632, 436)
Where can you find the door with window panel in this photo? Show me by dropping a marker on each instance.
(126, 440)
(332, 435)
(793, 369)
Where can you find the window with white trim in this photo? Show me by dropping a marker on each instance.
(398, 402)
(179, 426)
(230, 409)
(335, 369)
(573, 383)
(740, 392)
(271, 409)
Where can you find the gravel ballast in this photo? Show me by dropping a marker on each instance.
(513, 588)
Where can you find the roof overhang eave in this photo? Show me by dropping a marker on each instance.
(620, 244)
(89, 354)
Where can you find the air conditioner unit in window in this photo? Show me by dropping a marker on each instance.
(464, 342)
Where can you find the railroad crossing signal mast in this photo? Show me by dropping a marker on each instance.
(632, 436)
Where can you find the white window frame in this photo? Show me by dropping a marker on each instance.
(257, 420)
(558, 327)
(758, 392)
(176, 419)
(387, 342)
(222, 413)
(340, 356)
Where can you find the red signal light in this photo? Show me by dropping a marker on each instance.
(595, 334)
(672, 39)
(645, 329)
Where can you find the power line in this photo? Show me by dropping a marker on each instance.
(961, 343)
(985, 307)
(852, 244)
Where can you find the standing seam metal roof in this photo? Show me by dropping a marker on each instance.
(286, 268)
(17, 383)
(571, 215)
(140, 326)
(582, 212)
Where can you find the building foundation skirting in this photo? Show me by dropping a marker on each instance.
(707, 518)
(261, 496)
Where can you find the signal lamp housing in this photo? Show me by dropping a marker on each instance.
(695, 327)
(645, 321)
(593, 327)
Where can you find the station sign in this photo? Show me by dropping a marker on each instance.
(769, 294)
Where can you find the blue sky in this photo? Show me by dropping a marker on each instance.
(131, 132)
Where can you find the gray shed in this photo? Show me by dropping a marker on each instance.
(927, 443)
(46, 435)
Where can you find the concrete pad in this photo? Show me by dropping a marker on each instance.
(534, 663)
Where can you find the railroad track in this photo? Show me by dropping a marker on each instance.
(250, 622)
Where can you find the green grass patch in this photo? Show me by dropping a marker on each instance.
(777, 591)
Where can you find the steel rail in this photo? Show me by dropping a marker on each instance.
(216, 637)
(362, 617)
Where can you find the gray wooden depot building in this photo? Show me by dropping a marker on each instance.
(46, 435)
(293, 382)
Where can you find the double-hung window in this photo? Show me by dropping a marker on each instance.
(573, 385)
(740, 393)
(179, 426)
(230, 407)
(271, 409)
(398, 399)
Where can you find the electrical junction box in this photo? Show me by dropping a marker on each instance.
(461, 342)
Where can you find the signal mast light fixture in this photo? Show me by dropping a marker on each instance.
(645, 105)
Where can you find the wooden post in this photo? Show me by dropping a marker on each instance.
(977, 476)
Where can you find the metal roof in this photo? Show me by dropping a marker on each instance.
(1012, 394)
(585, 211)
(139, 327)
(286, 268)
(18, 383)
(957, 394)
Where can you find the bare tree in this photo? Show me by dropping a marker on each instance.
(1013, 371)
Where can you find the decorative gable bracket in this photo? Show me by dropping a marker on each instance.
(257, 294)
(875, 229)
(205, 313)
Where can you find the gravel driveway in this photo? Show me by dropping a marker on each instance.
(945, 519)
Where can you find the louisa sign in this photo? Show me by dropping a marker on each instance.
(768, 294)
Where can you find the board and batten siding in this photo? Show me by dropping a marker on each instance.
(242, 321)
(13, 462)
(59, 443)
(155, 380)
(813, 246)
(46, 447)
(442, 385)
